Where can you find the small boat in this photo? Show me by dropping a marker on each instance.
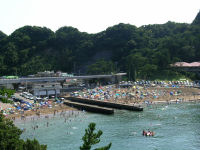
(148, 133)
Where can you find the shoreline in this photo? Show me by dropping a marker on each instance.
(152, 101)
(168, 102)
(42, 112)
(138, 99)
(67, 112)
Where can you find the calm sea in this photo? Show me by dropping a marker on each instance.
(177, 127)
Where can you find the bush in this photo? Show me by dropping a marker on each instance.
(91, 138)
(5, 100)
(10, 137)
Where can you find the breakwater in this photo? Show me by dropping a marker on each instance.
(89, 108)
(104, 103)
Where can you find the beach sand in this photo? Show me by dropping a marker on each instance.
(187, 94)
(41, 111)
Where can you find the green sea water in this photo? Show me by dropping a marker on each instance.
(177, 127)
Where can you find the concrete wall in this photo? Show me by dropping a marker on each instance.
(45, 92)
(90, 108)
(8, 86)
(105, 104)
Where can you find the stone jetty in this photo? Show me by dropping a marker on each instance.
(89, 108)
(104, 104)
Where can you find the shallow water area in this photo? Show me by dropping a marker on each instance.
(176, 126)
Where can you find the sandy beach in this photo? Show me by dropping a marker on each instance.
(42, 111)
(140, 95)
(132, 96)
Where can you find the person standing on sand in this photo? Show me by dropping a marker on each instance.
(38, 114)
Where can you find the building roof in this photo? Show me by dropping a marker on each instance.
(185, 64)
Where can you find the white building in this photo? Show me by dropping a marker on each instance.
(46, 89)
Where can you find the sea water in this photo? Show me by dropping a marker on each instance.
(176, 127)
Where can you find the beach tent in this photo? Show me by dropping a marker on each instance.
(18, 107)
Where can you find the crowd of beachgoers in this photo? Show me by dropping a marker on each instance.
(142, 92)
(64, 113)
(184, 83)
(23, 108)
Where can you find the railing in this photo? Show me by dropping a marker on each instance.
(54, 79)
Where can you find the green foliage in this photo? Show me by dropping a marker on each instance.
(90, 138)
(196, 20)
(126, 48)
(33, 145)
(6, 92)
(10, 137)
(5, 100)
(2, 35)
(101, 67)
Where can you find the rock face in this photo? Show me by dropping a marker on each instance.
(196, 20)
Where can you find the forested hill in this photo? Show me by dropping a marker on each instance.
(144, 52)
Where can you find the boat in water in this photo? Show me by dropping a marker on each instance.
(148, 133)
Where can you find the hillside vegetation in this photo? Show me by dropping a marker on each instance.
(144, 52)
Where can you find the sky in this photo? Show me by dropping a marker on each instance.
(93, 16)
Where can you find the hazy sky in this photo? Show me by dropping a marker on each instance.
(93, 16)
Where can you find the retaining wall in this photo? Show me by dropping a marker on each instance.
(90, 108)
(104, 104)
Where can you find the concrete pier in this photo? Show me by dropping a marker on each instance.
(104, 104)
(89, 108)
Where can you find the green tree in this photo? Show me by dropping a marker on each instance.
(90, 138)
(101, 67)
(7, 92)
(196, 20)
(33, 145)
(11, 55)
(134, 64)
(148, 70)
(2, 35)
(2, 65)
(10, 137)
(30, 49)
